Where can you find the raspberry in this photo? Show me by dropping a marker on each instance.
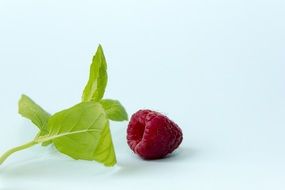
(152, 135)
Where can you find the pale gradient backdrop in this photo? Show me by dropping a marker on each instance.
(217, 68)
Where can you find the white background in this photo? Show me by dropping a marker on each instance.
(214, 67)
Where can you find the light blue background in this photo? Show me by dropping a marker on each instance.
(215, 67)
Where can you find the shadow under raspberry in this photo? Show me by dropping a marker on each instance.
(141, 166)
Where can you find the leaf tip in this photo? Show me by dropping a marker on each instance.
(100, 47)
(22, 97)
(127, 118)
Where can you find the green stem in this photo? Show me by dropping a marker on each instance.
(15, 149)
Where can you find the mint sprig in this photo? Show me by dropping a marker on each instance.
(82, 131)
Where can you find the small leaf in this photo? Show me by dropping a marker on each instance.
(32, 111)
(95, 88)
(82, 132)
(114, 110)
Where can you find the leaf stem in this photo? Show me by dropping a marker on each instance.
(15, 149)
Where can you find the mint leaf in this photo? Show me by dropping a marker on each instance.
(95, 88)
(114, 110)
(105, 152)
(82, 132)
(32, 111)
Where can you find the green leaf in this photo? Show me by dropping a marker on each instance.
(105, 152)
(114, 110)
(82, 132)
(95, 88)
(32, 111)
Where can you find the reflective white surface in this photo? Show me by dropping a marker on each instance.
(214, 67)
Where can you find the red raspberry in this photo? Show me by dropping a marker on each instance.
(152, 135)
